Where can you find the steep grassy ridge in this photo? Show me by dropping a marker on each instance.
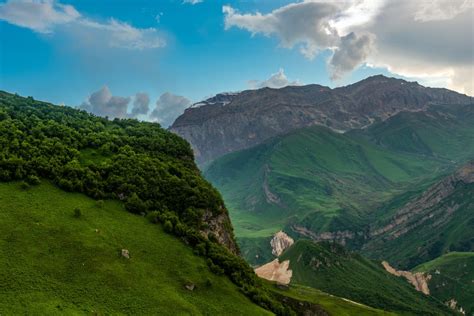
(439, 220)
(53, 263)
(332, 269)
(312, 178)
(452, 277)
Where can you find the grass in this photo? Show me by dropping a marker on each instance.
(324, 181)
(54, 263)
(336, 305)
(332, 269)
(452, 277)
(435, 237)
(327, 181)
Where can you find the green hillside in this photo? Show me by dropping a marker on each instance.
(54, 263)
(446, 132)
(332, 269)
(148, 169)
(336, 306)
(446, 226)
(313, 178)
(452, 277)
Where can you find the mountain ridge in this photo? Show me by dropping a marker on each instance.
(236, 121)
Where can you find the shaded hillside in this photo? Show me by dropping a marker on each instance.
(55, 262)
(148, 169)
(332, 269)
(452, 279)
(330, 186)
(439, 220)
(231, 122)
(315, 182)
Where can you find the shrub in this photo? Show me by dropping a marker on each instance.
(24, 185)
(77, 212)
(33, 180)
(168, 226)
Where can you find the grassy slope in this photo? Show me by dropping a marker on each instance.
(324, 180)
(454, 280)
(329, 182)
(335, 305)
(446, 132)
(425, 243)
(330, 268)
(54, 263)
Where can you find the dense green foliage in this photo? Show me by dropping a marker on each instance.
(54, 263)
(332, 269)
(140, 163)
(452, 277)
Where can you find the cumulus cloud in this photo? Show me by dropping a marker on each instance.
(304, 24)
(45, 16)
(437, 47)
(168, 108)
(429, 41)
(103, 103)
(352, 51)
(276, 81)
(141, 104)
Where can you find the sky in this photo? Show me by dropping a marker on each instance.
(152, 59)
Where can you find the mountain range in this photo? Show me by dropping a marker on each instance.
(235, 121)
(383, 167)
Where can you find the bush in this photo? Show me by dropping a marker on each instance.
(33, 180)
(24, 185)
(77, 212)
(168, 226)
(153, 216)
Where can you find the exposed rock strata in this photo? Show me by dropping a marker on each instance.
(419, 279)
(280, 242)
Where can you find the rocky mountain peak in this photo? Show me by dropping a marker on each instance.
(233, 121)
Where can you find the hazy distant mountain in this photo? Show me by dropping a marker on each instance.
(235, 121)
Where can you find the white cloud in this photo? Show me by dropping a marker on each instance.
(435, 48)
(351, 52)
(120, 34)
(45, 16)
(193, 2)
(168, 108)
(438, 10)
(276, 81)
(429, 41)
(304, 24)
(40, 16)
(103, 103)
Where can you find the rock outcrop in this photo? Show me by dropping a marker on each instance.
(419, 279)
(235, 121)
(276, 271)
(280, 242)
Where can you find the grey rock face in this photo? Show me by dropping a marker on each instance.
(231, 122)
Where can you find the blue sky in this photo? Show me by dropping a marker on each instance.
(65, 52)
